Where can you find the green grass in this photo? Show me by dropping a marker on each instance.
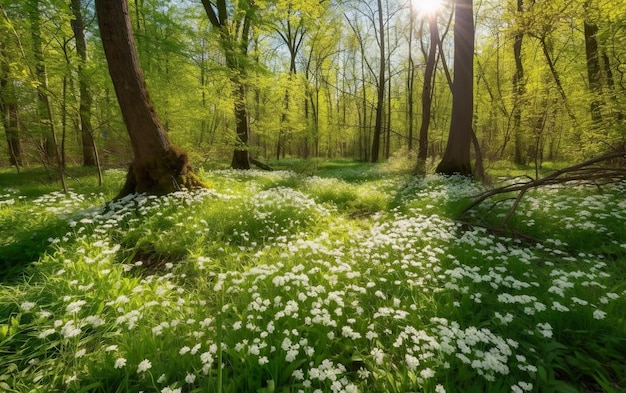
(332, 276)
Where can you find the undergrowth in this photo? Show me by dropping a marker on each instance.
(351, 278)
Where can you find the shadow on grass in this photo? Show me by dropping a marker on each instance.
(28, 246)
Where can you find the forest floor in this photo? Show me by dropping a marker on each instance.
(331, 276)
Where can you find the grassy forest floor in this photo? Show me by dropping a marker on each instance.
(328, 277)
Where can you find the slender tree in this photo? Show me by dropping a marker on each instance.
(456, 158)
(427, 92)
(380, 86)
(234, 31)
(594, 70)
(90, 152)
(9, 110)
(158, 166)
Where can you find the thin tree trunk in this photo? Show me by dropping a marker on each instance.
(519, 89)
(380, 104)
(9, 112)
(84, 110)
(51, 147)
(427, 91)
(594, 72)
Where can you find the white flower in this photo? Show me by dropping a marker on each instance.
(263, 360)
(190, 378)
(440, 389)
(74, 307)
(119, 363)
(184, 350)
(110, 348)
(411, 361)
(46, 333)
(27, 306)
(144, 366)
(427, 373)
(599, 314)
(80, 353)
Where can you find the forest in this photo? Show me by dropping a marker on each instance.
(313, 196)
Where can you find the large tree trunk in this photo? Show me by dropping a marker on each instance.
(158, 167)
(456, 158)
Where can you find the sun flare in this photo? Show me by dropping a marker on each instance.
(427, 6)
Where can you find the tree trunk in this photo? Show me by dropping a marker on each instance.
(422, 152)
(380, 104)
(410, 81)
(9, 112)
(84, 110)
(456, 158)
(158, 167)
(594, 72)
(519, 89)
(45, 125)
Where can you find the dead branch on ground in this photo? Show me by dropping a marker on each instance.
(596, 171)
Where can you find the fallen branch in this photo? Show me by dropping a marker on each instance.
(587, 171)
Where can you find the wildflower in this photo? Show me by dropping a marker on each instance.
(46, 333)
(74, 307)
(27, 306)
(110, 348)
(190, 378)
(80, 353)
(184, 350)
(263, 360)
(411, 361)
(599, 314)
(119, 363)
(378, 355)
(144, 366)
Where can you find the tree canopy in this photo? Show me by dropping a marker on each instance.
(295, 78)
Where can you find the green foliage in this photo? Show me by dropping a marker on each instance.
(274, 281)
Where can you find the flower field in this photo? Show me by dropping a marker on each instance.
(278, 282)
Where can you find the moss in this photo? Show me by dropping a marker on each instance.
(160, 174)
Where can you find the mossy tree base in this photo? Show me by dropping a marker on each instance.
(160, 174)
(452, 167)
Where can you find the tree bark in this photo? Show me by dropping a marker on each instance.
(158, 167)
(9, 112)
(84, 110)
(519, 89)
(380, 104)
(456, 158)
(234, 40)
(422, 152)
(594, 71)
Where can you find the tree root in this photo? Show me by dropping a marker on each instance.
(160, 174)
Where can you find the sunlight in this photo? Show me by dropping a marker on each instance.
(427, 7)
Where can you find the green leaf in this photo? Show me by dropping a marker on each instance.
(269, 389)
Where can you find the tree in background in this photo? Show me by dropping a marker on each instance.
(456, 158)
(90, 152)
(8, 106)
(158, 166)
(234, 32)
